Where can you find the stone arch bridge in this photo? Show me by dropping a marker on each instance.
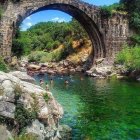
(107, 34)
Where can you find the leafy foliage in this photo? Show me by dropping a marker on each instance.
(3, 66)
(46, 97)
(133, 8)
(130, 57)
(107, 11)
(47, 36)
(23, 117)
(135, 39)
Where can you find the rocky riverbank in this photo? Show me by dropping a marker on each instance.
(26, 107)
(53, 68)
(102, 68)
(107, 68)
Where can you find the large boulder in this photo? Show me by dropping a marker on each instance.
(102, 71)
(38, 129)
(32, 98)
(33, 67)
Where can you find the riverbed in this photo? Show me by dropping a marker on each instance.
(98, 109)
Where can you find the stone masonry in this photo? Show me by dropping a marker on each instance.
(107, 34)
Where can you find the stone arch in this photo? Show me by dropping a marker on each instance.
(80, 13)
(100, 30)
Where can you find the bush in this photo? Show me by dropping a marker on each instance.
(130, 57)
(46, 97)
(36, 56)
(41, 56)
(106, 11)
(23, 117)
(135, 39)
(3, 66)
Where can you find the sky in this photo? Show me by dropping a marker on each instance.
(57, 16)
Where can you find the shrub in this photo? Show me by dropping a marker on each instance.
(130, 57)
(9, 122)
(3, 66)
(135, 39)
(36, 56)
(46, 97)
(41, 56)
(106, 11)
(23, 117)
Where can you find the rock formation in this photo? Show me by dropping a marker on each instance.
(24, 105)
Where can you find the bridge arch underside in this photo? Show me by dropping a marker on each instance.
(87, 23)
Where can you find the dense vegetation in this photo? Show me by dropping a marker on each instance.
(45, 37)
(133, 9)
(130, 57)
(107, 11)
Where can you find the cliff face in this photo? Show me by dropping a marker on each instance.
(24, 105)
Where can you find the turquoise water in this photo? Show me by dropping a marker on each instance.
(99, 109)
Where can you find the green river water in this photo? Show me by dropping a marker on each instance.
(98, 109)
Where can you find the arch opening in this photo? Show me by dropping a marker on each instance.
(88, 24)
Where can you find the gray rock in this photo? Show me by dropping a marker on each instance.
(23, 76)
(32, 97)
(37, 129)
(65, 132)
(8, 91)
(7, 109)
(5, 134)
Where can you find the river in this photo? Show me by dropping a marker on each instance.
(98, 109)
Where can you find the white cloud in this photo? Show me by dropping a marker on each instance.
(29, 24)
(57, 19)
(29, 18)
(23, 29)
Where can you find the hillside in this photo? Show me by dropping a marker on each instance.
(54, 41)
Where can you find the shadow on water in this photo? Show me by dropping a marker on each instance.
(99, 109)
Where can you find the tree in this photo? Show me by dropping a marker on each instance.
(133, 9)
